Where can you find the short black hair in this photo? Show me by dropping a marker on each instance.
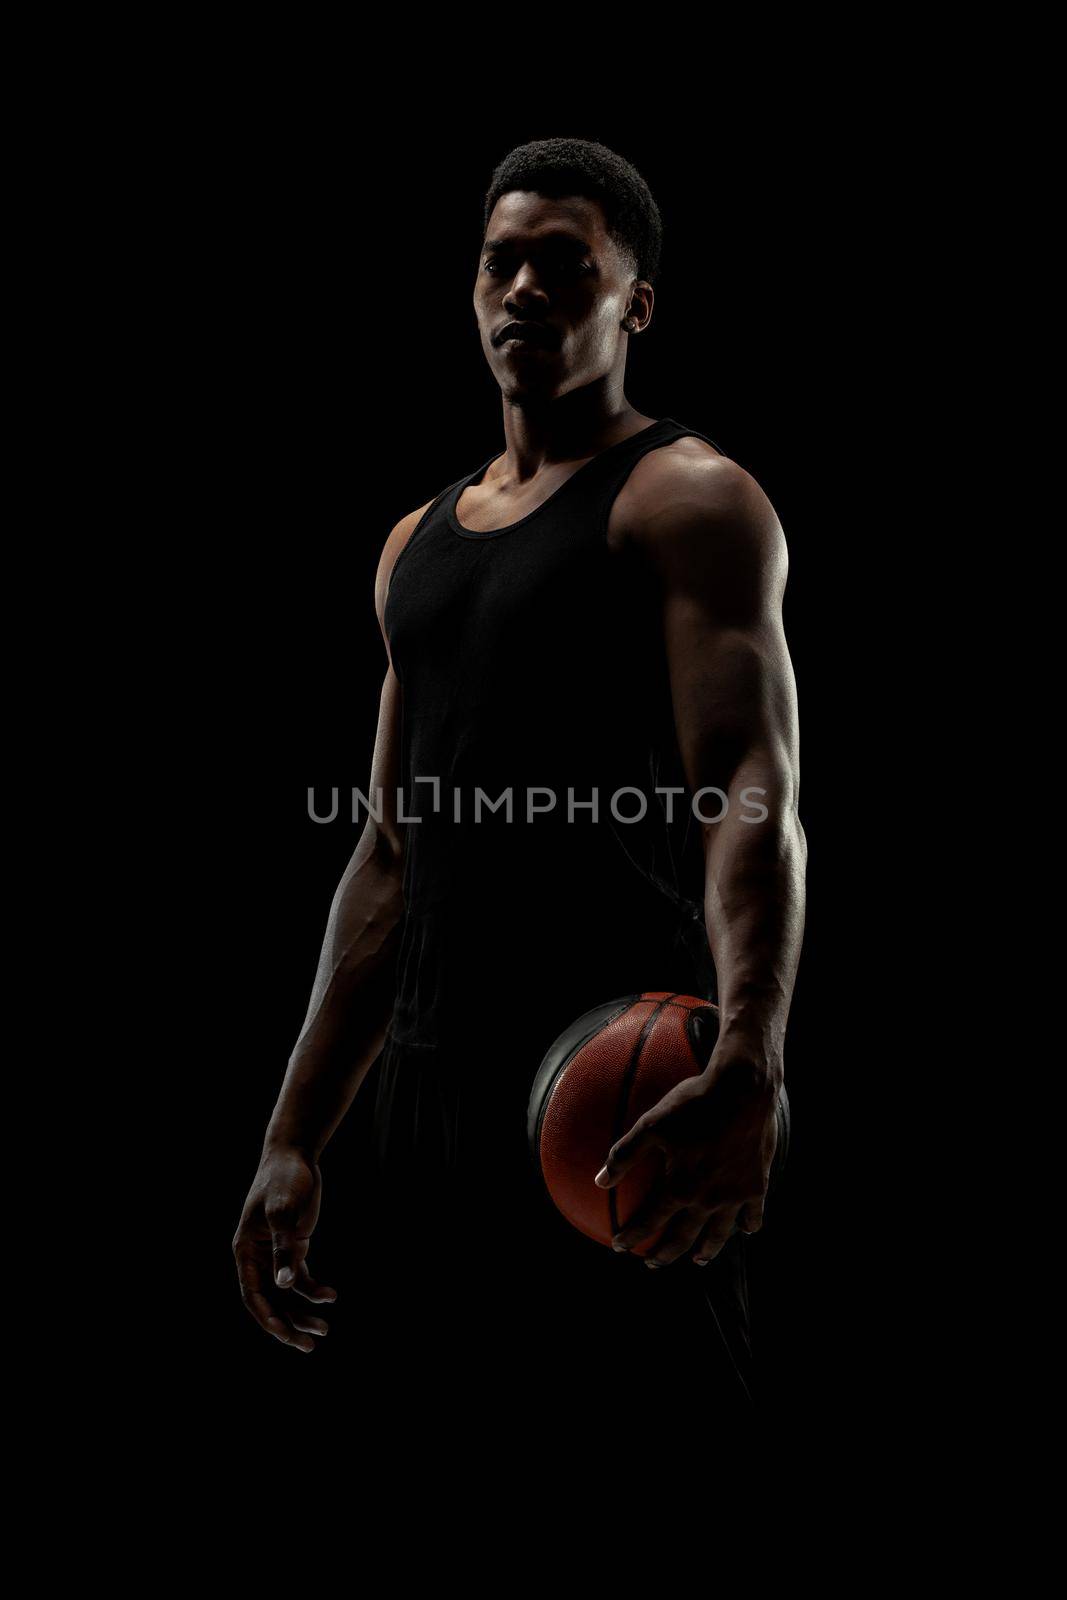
(557, 167)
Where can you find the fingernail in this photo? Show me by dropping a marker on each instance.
(652, 1263)
(619, 1247)
(701, 1261)
(285, 1277)
(601, 1176)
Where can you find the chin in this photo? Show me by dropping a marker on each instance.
(532, 397)
(530, 384)
(534, 375)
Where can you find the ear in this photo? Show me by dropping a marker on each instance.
(639, 310)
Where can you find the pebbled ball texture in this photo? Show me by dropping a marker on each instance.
(600, 1089)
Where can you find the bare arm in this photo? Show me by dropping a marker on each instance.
(722, 556)
(352, 996)
(718, 553)
(347, 1019)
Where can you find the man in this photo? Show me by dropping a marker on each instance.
(596, 608)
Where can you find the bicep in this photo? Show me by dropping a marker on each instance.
(734, 697)
(723, 574)
(386, 761)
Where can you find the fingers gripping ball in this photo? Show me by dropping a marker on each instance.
(601, 1074)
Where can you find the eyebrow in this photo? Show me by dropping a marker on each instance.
(560, 236)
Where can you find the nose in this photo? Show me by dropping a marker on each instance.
(525, 294)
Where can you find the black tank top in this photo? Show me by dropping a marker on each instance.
(530, 660)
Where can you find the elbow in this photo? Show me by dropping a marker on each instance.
(389, 866)
(768, 793)
(792, 840)
(772, 819)
(375, 878)
(384, 845)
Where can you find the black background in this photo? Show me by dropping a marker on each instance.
(324, 377)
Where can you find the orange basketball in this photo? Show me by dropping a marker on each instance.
(600, 1075)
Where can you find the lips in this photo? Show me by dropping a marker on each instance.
(528, 332)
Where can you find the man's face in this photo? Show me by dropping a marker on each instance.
(550, 267)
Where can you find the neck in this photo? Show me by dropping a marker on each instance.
(574, 425)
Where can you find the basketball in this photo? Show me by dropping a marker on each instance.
(601, 1074)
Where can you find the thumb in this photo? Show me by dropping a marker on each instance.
(288, 1253)
(622, 1155)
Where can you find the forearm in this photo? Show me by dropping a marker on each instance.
(754, 915)
(351, 1001)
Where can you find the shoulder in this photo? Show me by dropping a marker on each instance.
(398, 537)
(686, 502)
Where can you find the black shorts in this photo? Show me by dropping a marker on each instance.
(474, 1271)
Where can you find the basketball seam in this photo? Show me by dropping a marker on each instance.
(568, 1060)
(624, 1095)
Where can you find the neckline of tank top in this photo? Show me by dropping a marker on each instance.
(479, 472)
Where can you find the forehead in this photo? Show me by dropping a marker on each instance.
(521, 216)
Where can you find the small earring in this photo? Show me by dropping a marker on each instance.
(629, 324)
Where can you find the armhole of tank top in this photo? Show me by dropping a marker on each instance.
(416, 530)
(656, 444)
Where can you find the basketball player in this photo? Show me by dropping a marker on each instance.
(589, 619)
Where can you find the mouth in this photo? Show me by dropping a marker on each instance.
(531, 335)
